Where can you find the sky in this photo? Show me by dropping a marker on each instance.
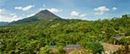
(12, 10)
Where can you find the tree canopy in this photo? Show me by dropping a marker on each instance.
(30, 38)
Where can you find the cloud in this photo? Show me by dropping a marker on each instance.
(55, 10)
(74, 13)
(7, 16)
(26, 8)
(114, 8)
(77, 14)
(99, 13)
(13, 15)
(2, 11)
(100, 10)
(41, 9)
(83, 15)
(31, 15)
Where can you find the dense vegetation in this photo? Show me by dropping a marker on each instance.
(37, 37)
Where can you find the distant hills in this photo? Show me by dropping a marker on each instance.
(3, 23)
(43, 15)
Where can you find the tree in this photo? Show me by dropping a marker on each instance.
(125, 41)
(96, 47)
(45, 50)
(60, 49)
(125, 16)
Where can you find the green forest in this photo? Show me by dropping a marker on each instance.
(37, 36)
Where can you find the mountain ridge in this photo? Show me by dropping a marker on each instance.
(43, 15)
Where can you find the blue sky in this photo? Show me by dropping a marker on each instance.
(12, 10)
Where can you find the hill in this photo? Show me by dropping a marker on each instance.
(42, 31)
(43, 15)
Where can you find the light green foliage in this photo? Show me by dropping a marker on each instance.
(95, 47)
(45, 50)
(60, 50)
(28, 38)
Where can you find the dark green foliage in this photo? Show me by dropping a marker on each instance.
(29, 38)
(96, 47)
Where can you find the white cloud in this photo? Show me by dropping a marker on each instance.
(74, 13)
(7, 16)
(54, 10)
(77, 14)
(83, 15)
(13, 15)
(30, 15)
(2, 11)
(114, 8)
(42, 9)
(26, 8)
(100, 10)
(99, 13)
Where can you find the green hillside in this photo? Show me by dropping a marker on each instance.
(29, 35)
